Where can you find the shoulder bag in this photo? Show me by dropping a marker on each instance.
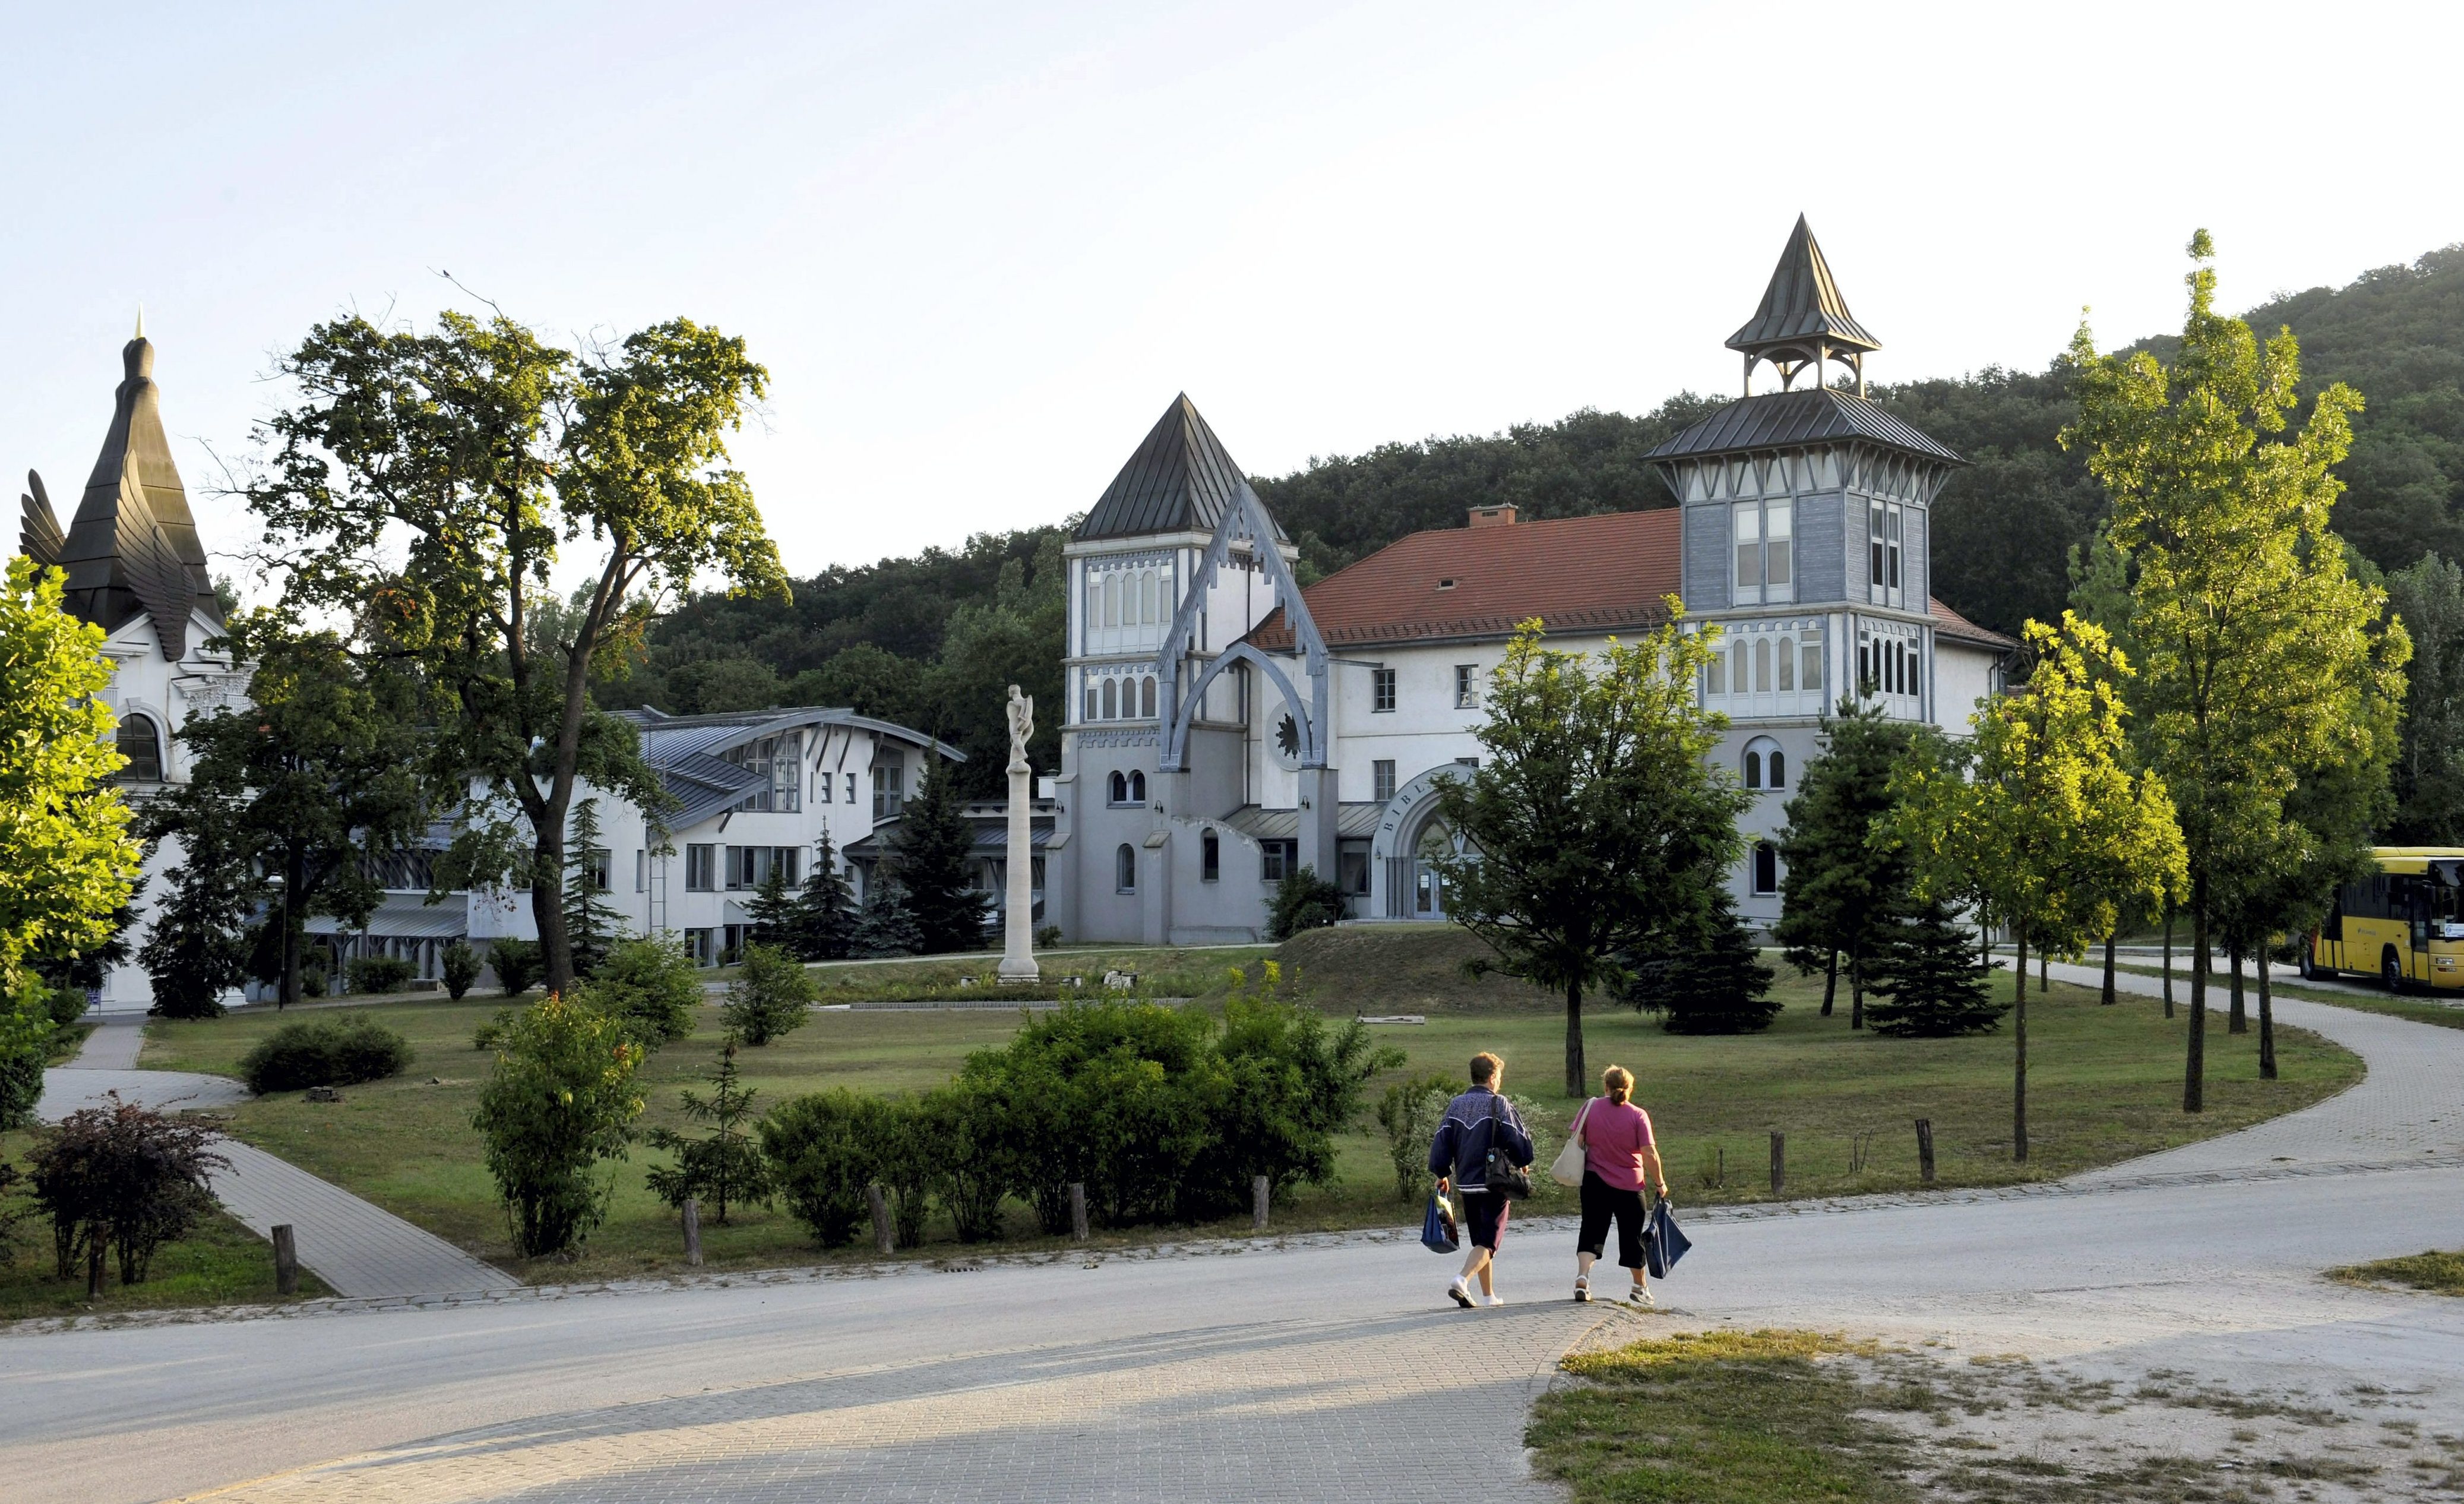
(1502, 1176)
(1567, 1168)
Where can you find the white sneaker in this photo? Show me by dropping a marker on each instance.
(1492, 1300)
(1461, 1293)
(1641, 1295)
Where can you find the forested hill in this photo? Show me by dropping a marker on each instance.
(930, 640)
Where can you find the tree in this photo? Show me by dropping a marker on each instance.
(822, 927)
(2258, 644)
(67, 864)
(2042, 811)
(293, 799)
(1842, 889)
(650, 985)
(2429, 599)
(198, 947)
(934, 857)
(560, 1100)
(1303, 900)
(592, 926)
(770, 997)
(468, 453)
(458, 967)
(1594, 825)
(1925, 968)
(888, 926)
(121, 1176)
(1707, 978)
(772, 911)
(724, 1166)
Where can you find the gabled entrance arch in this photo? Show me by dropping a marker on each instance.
(1401, 884)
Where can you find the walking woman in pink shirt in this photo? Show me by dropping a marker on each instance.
(1618, 1157)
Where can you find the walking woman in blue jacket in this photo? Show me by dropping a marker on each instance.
(1478, 1120)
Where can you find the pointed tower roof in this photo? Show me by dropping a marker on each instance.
(1802, 303)
(1179, 480)
(133, 547)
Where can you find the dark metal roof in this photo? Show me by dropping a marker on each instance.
(1181, 480)
(133, 548)
(1793, 419)
(1802, 303)
(1353, 820)
(684, 751)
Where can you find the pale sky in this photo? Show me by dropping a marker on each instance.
(979, 246)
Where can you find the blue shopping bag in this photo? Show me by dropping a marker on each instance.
(1438, 1228)
(1663, 1244)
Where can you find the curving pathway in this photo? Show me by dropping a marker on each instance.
(1321, 1372)
(356, 1247)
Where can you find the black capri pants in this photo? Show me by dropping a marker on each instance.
(1603, 1201)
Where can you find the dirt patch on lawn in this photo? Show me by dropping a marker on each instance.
(1398, 968)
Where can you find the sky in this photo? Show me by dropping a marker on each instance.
(979, 247)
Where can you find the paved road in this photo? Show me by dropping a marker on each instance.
(1319, 1373)
(356, 1247)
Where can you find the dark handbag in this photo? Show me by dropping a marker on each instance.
(1663, 1242)
(1502, 1176)
(1438, 1228)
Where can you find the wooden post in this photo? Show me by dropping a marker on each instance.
(1779, 1162)
(1078, 1211)
(286, 1261)
(1925, 1150)
(883, 1235)
(1259, 1191)
(692, 1230)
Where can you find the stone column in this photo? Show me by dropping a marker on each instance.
(1018, 929)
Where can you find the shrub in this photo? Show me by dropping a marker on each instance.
(1048, 937)
(379, 973)
(121, 1178)
(25, 1030)
(1302, 901)
(1409, 1113)
(519, 964)
(334, 1051)
(651, 985)
(726, 1166)
(68, 1005)
(312, 975)
(491, 1035)
(1295, 1082)
(457, 965)
(818, 1152)
(561, 1100)
(773, 996)
(968, 1159)
(909, 1163)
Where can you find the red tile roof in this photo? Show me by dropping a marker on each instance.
(1948, 623)
(1585, 574)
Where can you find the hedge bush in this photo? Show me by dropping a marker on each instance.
(650, 986)
(340, 1051)
(458, 966)
(519, 964)
(381, 973)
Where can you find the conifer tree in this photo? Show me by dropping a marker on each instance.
(825, 922)
(888, 926)
(772, 910)
(1842, 889)
(936, 848)
(1925, 967)
(724, 1168)
(1709, 978)
(591, 923)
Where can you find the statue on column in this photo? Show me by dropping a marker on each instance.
(1018, 923)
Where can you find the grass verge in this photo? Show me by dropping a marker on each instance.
(2105, 1085)
(222, 1262)
(2439, 1015)
(2439, 1273)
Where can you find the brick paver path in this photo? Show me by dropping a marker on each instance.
(356, 1247)
(1325, 1372)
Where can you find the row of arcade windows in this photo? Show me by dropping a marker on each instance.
(1121, 698)
(1128, 788)
(1758, 663)
(1887, 665)
(1126, 597)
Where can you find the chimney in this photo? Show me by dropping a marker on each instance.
(1492, 516)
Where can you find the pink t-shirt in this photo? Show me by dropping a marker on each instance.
(1614, 1134)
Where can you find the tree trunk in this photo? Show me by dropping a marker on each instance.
(547, 908)
(1577, 1079)
(94, 1264)
(1831, 982)
(1855, 992)
(2019, 1038)
(2169, 961)
(2194, 1069)
(2266, 1023)
(2045, 969)
(2107, 999)
(2236, 1018)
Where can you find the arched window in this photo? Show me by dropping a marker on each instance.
(1210, 857)
(1743, 668)
(1778, 769)
(1146, 697)
(1120, 789)
(1762, 665)
(1094, 603)
(1139, 787)
(1786, 664)
(1112, 699)
(1125, 870)
(141, 742)
(1111, 600)
(1763, 763)
(1147, 596)
(1754, 768)
(1765, 866)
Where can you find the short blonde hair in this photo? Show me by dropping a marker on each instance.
(1484, 1068)
(1616, 1084)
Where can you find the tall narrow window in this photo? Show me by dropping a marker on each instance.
(1210, 857)
(1809, 669)
(700, 863)
(1761, 666)
(1381, 779)
(1139, 787)
(851, 792)
(1125, 870)
(1120, 788)
(1877, 572)
(1754, 768)
(1092, 703)
(1147, 597)
(1766, 867)
(1746, 516)
(1466, 686)
(1778, 769)
(1786, 652)
(641, 871)
(1715, 674)
(1112, 699)
(889, 784)
(1146, 698)
(141, 742)
(1778, 556)
(1894, 540)
(1094, 603)
(1381, 689)
(1742, 666)
(1113, 600)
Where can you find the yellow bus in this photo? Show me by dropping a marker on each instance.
(2405, 926)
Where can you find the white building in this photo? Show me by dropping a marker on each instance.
(1225, 727)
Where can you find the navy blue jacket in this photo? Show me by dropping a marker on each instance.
(1472, 1121)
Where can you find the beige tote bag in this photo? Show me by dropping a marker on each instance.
(1567, 1168)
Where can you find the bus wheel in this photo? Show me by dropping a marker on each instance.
(2391, 970)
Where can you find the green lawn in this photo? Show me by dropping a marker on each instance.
(222, 1262)
(2439, 1273)
(2105, 1085)
(2416, 1008)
